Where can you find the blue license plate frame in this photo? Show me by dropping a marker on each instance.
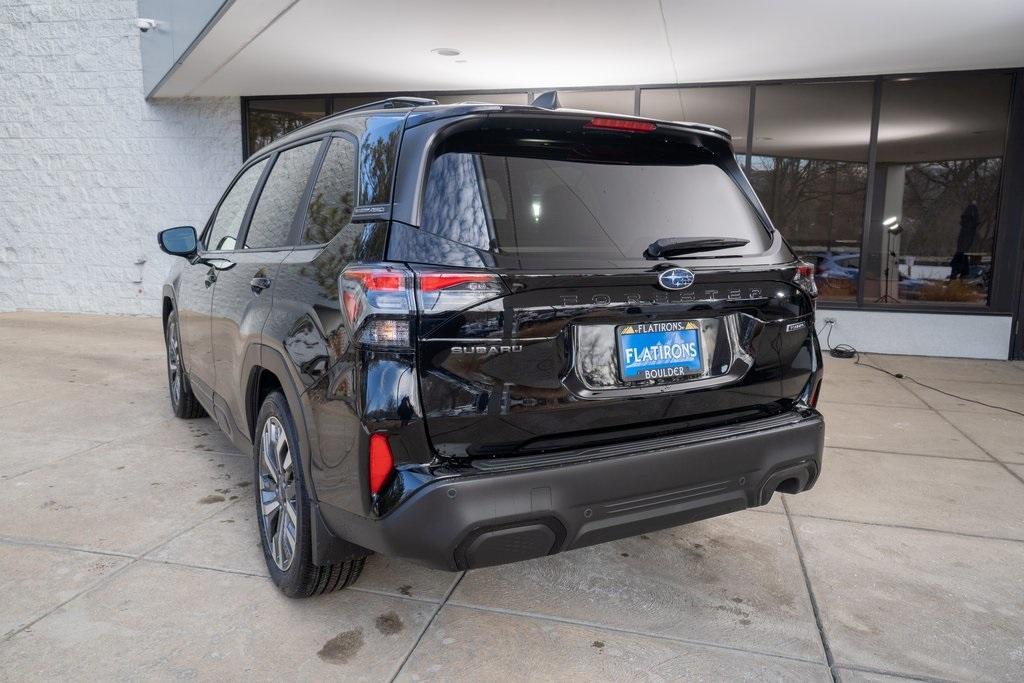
(659, 351)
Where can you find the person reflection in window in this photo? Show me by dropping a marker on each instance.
(960, 265)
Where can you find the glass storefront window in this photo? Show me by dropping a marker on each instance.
(939, 161)
(270, 119)
(940, 146)
(809, 168)
(612, 101)
(343, 102)
(492, 98)
(727, 107)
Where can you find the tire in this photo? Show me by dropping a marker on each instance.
(285, 526)
(183, 402)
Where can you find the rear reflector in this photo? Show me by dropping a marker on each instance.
(626, 125)
(381, 462)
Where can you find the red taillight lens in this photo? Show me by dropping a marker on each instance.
(449, 291)
(378, 280)
(626, 125)
(804, 278)
(382, 463)
(377, 302)
(431, 282)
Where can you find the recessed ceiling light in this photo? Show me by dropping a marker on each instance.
(446, 51)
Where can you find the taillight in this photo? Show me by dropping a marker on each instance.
(625, 125)
(382, 463)
(450, 291)
(804, 278)
(377, 302)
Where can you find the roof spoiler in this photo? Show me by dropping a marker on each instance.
(547, 100)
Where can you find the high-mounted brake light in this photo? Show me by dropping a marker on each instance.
(382, 463)
(625, 125)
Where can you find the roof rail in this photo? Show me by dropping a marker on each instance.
(391, 103)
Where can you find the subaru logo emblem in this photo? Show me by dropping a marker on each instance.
(675, 278)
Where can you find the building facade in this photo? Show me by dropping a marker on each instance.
(906, 190)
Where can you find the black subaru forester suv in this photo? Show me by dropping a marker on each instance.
(475, 334)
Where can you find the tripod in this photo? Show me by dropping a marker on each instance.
(886, 298)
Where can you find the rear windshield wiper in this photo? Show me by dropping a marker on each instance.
(676, 246)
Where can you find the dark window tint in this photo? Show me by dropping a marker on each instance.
(267, 120)
(231, 211)
(940, 147)
(810, 170)
(377, 158)
(540, 208)
(275, 209)
(333, 197)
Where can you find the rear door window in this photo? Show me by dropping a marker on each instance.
(333, 197)
(278, 204)
(224, 230)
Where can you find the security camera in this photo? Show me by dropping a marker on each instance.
(145, 24)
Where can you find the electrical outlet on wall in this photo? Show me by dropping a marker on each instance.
(830, 321)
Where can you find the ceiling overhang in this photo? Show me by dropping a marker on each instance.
(274, 47)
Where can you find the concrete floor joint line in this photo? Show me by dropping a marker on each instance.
(810, 594)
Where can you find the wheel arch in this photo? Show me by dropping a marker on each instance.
(268, 371)
(168, 304)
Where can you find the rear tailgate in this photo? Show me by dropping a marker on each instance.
(541, 369)
(581, 338)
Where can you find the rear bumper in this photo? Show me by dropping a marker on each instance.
(515, 514)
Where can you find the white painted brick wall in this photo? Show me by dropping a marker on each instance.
(89, 170)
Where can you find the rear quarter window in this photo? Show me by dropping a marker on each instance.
(379, 138)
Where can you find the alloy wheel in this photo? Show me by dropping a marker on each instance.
(278, 499)
(174, 361)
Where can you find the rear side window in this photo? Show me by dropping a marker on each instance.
(333, 198)
(379, 143)
(585, 199)
(275, 210)
(231, 211)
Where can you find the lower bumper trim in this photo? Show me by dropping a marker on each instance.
(478, 520)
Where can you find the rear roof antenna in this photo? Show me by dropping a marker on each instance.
(547, 100)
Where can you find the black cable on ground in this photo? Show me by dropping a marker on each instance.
(847, 351)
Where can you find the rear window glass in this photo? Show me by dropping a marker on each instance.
(527, 206)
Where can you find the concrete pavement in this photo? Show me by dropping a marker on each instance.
(128, 548)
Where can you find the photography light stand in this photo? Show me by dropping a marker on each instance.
(893, 228)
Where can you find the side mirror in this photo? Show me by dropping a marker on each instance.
(180, 241)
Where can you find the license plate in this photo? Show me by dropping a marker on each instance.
(659, 350)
